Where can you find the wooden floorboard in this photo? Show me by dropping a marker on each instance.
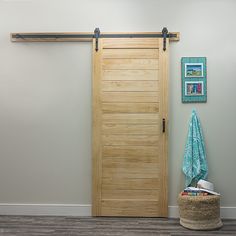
(101, 226)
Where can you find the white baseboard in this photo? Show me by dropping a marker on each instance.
(46, 209)
(225, 212)
(81, 210)
(173, 211)
(228, 212)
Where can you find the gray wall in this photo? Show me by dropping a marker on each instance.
(45, 93)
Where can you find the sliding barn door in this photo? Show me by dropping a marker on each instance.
(129, 140)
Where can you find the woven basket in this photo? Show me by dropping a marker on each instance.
(200, 212)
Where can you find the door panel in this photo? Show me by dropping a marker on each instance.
(129, 118)
(127, 75)
(130, 96)
(129, 147)
(130, 64)
(130, 86)
(136, 43)
(130, 53)
(130, 207)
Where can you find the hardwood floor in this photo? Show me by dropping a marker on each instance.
(101, 226)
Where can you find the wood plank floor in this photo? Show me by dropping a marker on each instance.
(101, 226)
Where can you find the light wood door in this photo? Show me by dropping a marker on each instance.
(129, 145)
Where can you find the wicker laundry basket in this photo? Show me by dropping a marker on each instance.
(200, 212)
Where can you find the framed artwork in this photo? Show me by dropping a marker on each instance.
(194, 79)
(194, 88)
(193, 69)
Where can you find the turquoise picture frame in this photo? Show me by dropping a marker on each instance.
(194, 79)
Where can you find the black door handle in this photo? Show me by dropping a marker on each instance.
(163, 125)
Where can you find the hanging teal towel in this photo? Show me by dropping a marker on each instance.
(194, 164)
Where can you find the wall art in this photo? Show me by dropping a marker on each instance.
(194, 79)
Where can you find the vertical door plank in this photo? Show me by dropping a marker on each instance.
(96, 142)
(164, 74)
